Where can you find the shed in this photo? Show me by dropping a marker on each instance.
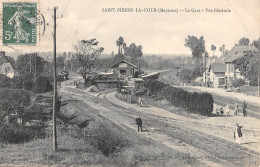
(124, 67)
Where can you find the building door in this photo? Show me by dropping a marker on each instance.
(123, 72)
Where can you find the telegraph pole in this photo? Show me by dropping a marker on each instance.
(31, 63)
(55, 83)
(35, 67)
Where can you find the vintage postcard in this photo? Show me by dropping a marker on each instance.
(130, 83)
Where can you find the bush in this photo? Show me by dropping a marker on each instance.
(19, 134)
(107, 140)
(201, 103)
(4, 81)
(253, 82)
(42, 85)
(238, 82)
(154, 86)
(12, 100)
(22, 82)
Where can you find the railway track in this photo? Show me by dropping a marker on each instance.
(234, 155)
(213, 145)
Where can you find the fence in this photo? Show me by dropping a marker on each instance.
(125, 97)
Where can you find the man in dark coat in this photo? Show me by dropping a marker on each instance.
(139, 123)
(244, 109)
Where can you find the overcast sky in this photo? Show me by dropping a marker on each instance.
(158, 33)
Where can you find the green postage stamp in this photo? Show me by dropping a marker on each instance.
(19, 23)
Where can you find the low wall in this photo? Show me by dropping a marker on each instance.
(125, 97)
(105, 85)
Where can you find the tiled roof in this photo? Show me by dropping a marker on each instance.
(239, 51)
(124, 61)
(217, 67)
(3, 59)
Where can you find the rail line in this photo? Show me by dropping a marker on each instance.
(176, 129)
(213, 142)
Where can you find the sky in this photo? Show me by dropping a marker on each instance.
(158, 33)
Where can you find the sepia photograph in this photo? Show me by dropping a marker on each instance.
(128, 83)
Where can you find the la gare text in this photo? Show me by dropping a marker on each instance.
(163, 10)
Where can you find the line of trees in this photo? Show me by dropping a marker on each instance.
(132, 53)
(200, 103)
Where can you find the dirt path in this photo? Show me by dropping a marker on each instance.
(202, 140)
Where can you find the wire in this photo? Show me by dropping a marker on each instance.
(106, 20)
(94, 29)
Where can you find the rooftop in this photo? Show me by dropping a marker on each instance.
(217, 67)
(124, 61)
(239, 51)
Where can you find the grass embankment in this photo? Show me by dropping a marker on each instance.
(107, 145)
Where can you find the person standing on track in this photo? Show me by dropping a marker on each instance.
(227, 110)
(236, 109)
(238, 133)
(244, 109)
(139, 123)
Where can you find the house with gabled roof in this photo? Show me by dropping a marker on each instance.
(213, 59)
(124, 67)
(6, 67)
(217, 74)
(231, 73)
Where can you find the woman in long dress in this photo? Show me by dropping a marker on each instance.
(17, 22)
(238, 133)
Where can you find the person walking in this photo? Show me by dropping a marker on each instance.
(139, 123)
(139, 101)
(244, 109)
(227, 110)
(236, 109)
(238, 133)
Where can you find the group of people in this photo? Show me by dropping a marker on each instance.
(221, 109)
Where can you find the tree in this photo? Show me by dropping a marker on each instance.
(10, 59)
(60, 61)
(256, 43)
(120, 43)
(248, 66)
(4, 81)
(42, 85)
(13, 101)
(197, 46)
(133, 52)
(244, 41)
(213, 48)
(87, 54)
(26, 64)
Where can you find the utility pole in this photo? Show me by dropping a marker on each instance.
(258, 83)
(35, 67)
(31, 63)
(206, 55)
(139, 68)
(55, 83)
